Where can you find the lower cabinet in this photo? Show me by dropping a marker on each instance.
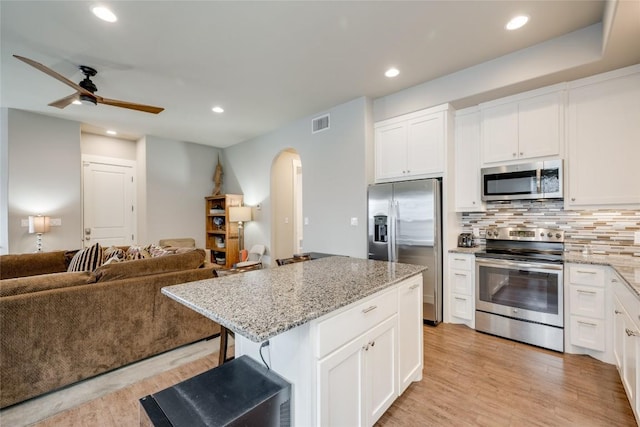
(626, 334)
(462, 288)
(409, 332)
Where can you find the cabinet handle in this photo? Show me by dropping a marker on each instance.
(365, 347)
(373, 343)
(459, 259)
(582, 322)
(614, 280)
(586, 272)
(459, 274)
(521, 153)
(368, 309)
(630, 332)
(573, 199)
(414, 286)
(514, 154)
(580, 291)
(460, 299)
(617, 312)
(473, 202)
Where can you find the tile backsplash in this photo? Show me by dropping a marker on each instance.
(603, 231)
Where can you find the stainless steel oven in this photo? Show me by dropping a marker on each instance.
(519, 286)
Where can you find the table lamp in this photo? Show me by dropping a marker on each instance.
(240, 214)
(39, 224)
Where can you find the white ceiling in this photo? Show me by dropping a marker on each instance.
(267, 63)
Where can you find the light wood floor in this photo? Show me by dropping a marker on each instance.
(470, 379)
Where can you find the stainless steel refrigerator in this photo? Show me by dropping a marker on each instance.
(404, 223)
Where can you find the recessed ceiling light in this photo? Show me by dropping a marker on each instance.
(392, 72)
(76, 102)
(112, 132)
(217, 109)
(104, 14)
(517, 22)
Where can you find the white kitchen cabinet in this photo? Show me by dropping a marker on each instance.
(603, 140)
(626, 336)
(410, 332)
(357, 383)
(411, 146)
(587, 289)
(462, 288)
(467, 161)
(526, 126)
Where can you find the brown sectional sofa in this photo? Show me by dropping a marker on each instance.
(57, 328)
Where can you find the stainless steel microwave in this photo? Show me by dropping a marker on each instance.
(539, 180)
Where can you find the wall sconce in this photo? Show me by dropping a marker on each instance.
(39, 225)
(240, 214)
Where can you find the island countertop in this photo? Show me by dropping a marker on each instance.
(261, 304)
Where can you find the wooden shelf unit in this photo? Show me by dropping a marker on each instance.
(226, 230)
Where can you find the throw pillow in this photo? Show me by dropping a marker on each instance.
(137, 252)
(113, 252)
(87, 259)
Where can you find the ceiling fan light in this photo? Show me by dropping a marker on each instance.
(76, 102)
(88, 100)
(517, 22)
(104, 13)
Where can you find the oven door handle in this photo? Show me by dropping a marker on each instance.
(505, 263)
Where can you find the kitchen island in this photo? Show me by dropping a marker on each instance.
(345, 332)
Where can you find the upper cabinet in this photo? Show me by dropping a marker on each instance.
(525, 126)
(411, 146)
(467, 161)
(604, 140)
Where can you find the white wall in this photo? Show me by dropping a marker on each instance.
(4, 181)
(282, 203)
(179, 177)
(43, 178)
(107, 146)
(336, 172)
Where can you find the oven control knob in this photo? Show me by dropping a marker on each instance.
(541, 234)
(558, 235)
(549, 234)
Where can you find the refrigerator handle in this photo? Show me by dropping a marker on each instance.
(395, 210)
(391, 232)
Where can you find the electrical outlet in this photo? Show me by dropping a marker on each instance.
(24, 223)
(354, 221)
(56, 222)
(476, 231)
(306, 220)
(636, 238)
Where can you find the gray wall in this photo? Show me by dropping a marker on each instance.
(336, 171)
(107, 146)
(179, 177)
(44, 178)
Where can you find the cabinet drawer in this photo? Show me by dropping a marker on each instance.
(587, 301)
(343, 327)
(461, 262)
(588, 333)
(586, 275)
(462, 282)
(461, 306)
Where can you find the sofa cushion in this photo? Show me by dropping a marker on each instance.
(148, 266)
(113, 252)
(87, 259)
(43, 282)
(137, 252)
(33, 264)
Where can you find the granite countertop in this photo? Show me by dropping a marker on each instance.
(626, 266)
(472, 250)
(263, 303)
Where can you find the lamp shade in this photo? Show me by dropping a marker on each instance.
(239, 213)
(39, 224)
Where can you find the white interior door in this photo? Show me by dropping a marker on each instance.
(297, 206)
(109, 201)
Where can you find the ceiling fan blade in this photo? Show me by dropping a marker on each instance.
(61, 103)
(130, 105)
(53, 74)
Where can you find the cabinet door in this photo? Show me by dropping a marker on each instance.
(425, 145)
(618, 333)
(467, 163)
(588, 333)
(340, 386)
(391, 150)
(539, 129)
(462, 282)
(603, 135)
(499, 133)
(410, 339)
(630, 360)
(380, 370)
(461, 306)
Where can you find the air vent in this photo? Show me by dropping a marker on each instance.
(319, 124)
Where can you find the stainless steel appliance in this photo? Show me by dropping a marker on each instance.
(540, 180)
(405, 226)
(465, 240)
(519, 291)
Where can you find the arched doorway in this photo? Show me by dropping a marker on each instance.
(286, 205)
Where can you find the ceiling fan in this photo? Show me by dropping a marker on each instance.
(85, 90)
